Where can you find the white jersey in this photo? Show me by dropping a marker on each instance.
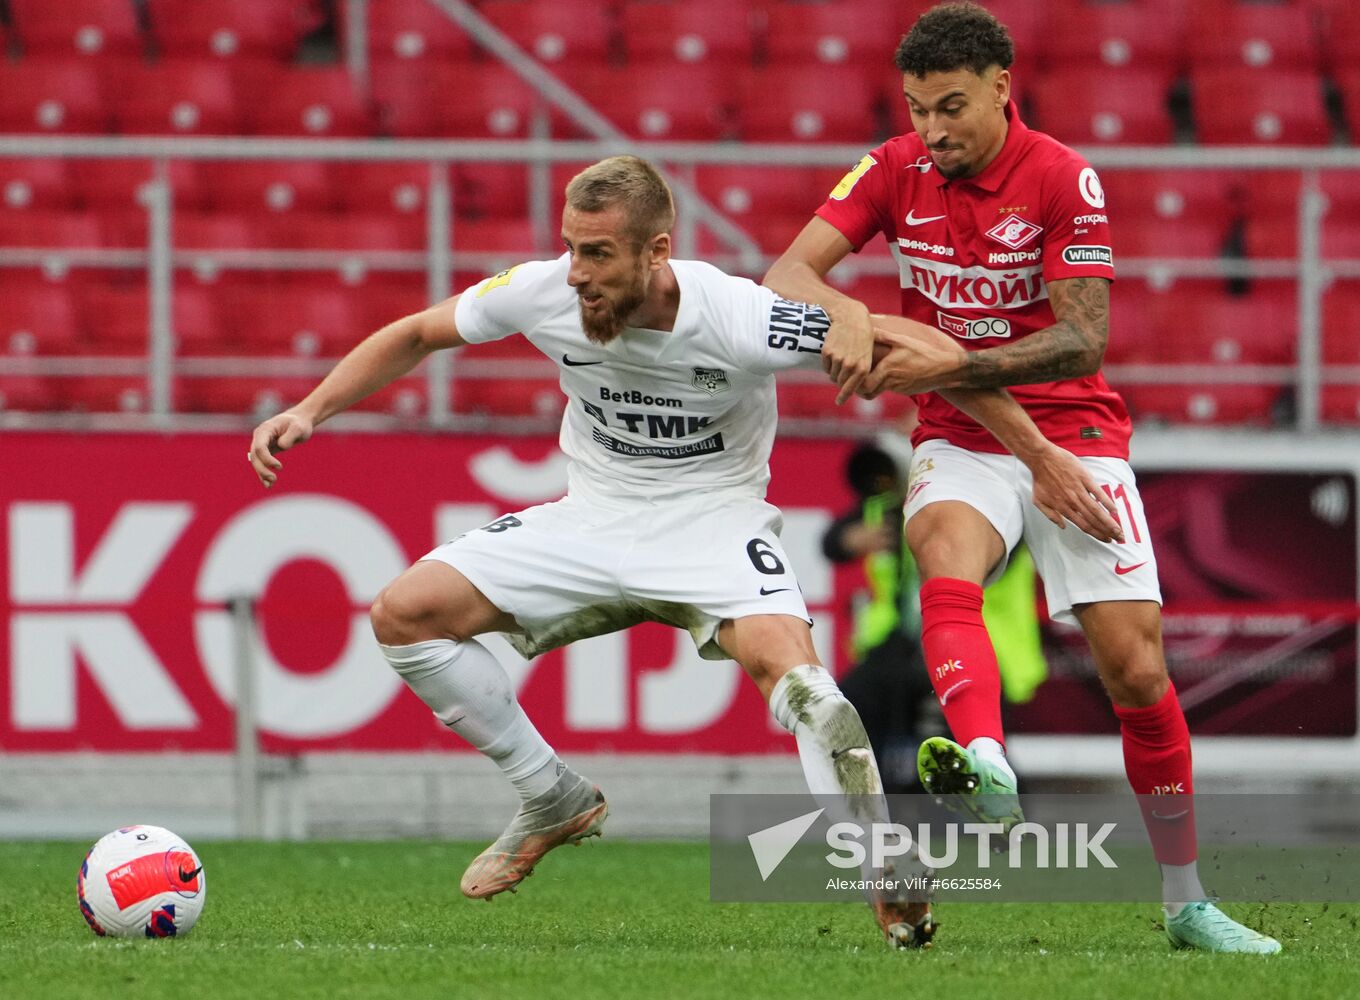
(659, 414)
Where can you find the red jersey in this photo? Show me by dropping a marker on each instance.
(975, 256)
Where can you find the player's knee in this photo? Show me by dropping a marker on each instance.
(399, 615)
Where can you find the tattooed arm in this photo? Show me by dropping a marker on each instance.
(1072, 347)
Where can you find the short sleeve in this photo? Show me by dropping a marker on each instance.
(781, 335)
(861, 203)
(502, 304)
(1077, 236)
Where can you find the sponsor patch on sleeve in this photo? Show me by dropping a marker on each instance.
(1087, 254)
(847, 183)
(797, 326)
(496, 281)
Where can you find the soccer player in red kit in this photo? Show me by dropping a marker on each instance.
(1002, 241)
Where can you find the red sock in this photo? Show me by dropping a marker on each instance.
(960, 658)
(1157, 761)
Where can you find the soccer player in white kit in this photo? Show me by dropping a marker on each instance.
(668, 367)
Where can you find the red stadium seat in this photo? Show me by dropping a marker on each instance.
(101, 394)
(218, 231)
(1110, 106)
(39, 318)
(520, 397)
(304, 101)
(1137, 312)
(42, 229)
(771, 203)
(413, 100)
(1253, 36)
(331, 231)
(413, 30)
(812, 104)
(1204, 324)
(490, 190)
(512, 236)
(116, 185)
(267, 187)
(1341, 223)
(77, 27)
(863, 35)
(228, 28)
(1253, 405)
(1284, 107)
(1097, 37)
(52, 96)
(691, 32)
(1348, 82)
(28, 394)
(573, 35)
(1172, 213)
(1340, 30)
(181, 97)
(685, 102)
(1341, 324)
(382, 187)
(296, 319)
(118, 316)
(35, 184)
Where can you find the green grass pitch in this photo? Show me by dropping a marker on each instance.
(332, 920)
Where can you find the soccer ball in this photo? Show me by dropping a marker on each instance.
(141, 881)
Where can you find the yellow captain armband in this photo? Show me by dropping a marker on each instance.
(848, 182)
(496, 281)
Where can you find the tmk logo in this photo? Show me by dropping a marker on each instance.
(1178, 788)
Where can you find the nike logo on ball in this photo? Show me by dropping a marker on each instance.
(578, 364)
(1121, 570)
(776, 590)
(912, 219)
(189, 875)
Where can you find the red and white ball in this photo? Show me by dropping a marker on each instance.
(141, 881)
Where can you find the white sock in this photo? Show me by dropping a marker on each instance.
(993, 752)
(837, 760)
(469, 691)
(1180, 887)
(832, 743)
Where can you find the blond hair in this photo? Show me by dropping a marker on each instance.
(633, 184)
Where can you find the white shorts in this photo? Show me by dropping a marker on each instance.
(578, 568)
(1075, 568)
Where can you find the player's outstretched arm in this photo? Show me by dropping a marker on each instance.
(376, 362)
(1072, 347)
(799, 275)
(1063, 489)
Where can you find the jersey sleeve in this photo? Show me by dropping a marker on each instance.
(502, 304)
(1077, 228)
(861, 203)
(780, 334)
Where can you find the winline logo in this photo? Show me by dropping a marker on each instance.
(852, 845)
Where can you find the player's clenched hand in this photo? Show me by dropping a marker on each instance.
(273, 436)
(848, 351)
(910, 357)
(1065, 491)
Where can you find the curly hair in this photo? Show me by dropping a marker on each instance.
(950, 36)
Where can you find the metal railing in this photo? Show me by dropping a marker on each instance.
(443, 255)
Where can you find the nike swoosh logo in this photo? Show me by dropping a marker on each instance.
(578, 364)
(1121, 570)
(913, 220)
(1169, 816)
(189, 875)
(776, 590)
